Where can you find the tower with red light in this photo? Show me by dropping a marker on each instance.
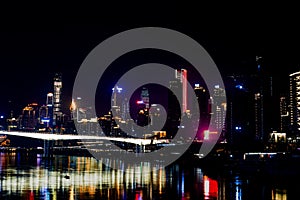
(181, 75)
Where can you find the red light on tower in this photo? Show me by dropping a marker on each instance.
(184, 89)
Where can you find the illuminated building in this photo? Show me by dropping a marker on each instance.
(174, 113)
(49, 103)
(264, 102)
(116, 90)
(85, 122)
(13, 124)
(29, 117)
(125, 109)
(259, 117)
(44, 116)
(217, 109)
(202, 103)
(73, 108)
(181, 76)
(284, 115)
(155, 114)
(57, 112)
(295, 102)
(117, 100)
(145, 97)
(177, 112)
(143, 117)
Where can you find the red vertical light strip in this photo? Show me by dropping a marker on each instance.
(184, 90)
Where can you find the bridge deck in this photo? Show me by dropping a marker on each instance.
(51, 136)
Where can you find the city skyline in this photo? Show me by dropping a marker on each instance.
(235, 137)
(33, 52)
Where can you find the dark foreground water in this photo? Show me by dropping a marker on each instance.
(29, 176)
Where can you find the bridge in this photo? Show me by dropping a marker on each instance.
(48, 139)
(53, 137)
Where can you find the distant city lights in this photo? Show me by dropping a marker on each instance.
(119, 90)
(239, 87)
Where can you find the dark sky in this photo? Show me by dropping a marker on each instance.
(36, 43)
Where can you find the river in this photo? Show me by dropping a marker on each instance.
(30, 176)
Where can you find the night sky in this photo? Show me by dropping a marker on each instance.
(34, 44)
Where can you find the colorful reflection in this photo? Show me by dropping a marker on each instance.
(69, 177)
(210, 188)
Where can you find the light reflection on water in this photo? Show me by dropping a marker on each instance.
(71, 177)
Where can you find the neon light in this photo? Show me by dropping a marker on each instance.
(140, 102)
(206, 135)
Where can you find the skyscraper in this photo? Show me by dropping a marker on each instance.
(201, 103)
(29, 117)
(145, 97)
(259, 103)
(117, 101)
(181, 76)
(264, 102)
(258, 116)
(217, 109)
(49, 104)
(295, 102)
(57, 112)
(284, 115)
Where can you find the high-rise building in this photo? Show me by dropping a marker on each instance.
(201, 103)
(217, 109)
(49, 104)
(116, 95)
(43, 114)
(265, 103)
(259, 113)
(125, 115)
(295, 102)
(177, 107)
(145, 97)
(284, 115)
(258, 116)
(117, 101)
(57, 111)
(181, 76)
(29, 117)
